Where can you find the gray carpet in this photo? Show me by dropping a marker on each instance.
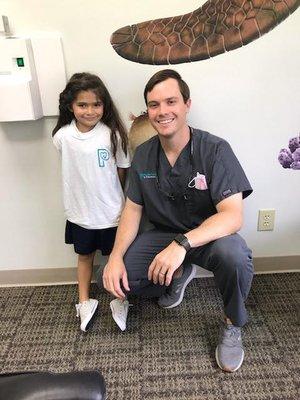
(164, 354)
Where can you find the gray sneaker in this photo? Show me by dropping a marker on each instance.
(230, 352)
(175, 292)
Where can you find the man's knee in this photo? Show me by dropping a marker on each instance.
(142, 251)
(136, 268)
(232, 254)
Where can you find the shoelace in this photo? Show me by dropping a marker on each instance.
(179, 287)
(77, 306)
(121, 309)
(231, 335)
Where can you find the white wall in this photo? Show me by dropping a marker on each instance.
(249, 96)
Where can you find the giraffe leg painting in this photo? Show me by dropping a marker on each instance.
(216, 27)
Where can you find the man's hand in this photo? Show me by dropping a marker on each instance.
(166, 263)
(114, 273)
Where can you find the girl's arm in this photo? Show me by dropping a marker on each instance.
(57, 140)
(122, 172)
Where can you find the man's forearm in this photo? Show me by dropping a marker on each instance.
(127, 229)
(215, 227)
(226, 221)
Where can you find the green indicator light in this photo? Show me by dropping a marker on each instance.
(20, 62)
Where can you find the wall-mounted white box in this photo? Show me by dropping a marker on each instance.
(32, 74)
(4, 25)
(19, 88)
(50, 68)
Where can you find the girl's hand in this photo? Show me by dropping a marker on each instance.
(115, 272)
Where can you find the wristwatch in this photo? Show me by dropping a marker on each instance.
(183, 241)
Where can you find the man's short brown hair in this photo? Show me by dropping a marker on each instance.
(163, 75)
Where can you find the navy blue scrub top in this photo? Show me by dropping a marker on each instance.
(164, 192)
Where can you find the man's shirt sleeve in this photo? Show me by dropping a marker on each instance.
(134, 192)
(228, 177)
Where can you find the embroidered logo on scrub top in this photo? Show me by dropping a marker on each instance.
(226, 193)
(147, 175)
(103, 155)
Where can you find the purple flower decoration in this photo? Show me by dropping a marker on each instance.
(294, 143)
(296, 155)
(285, 158)
(295, 165)
(290, 158)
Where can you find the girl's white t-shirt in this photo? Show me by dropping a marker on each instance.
(92, 193)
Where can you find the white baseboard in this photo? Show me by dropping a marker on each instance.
(66, 276)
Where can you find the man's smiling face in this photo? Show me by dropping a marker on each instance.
(166, 108)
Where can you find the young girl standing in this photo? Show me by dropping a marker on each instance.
(93, 143)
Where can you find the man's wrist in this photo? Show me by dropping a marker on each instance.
(116, 255)
(183, 241)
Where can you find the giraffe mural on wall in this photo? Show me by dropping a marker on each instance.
(214, 28)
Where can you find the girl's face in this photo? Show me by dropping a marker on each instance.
(87, 109)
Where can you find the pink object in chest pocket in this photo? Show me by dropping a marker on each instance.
(200, 182)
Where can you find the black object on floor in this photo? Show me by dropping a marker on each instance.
(78, 385)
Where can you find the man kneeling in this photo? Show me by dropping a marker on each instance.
(190, 185)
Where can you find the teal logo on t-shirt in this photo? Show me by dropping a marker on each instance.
(103, 155)
(147, 175)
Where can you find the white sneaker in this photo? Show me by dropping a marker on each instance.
(86, 310)
(119, 309)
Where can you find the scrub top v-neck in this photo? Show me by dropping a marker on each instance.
(173, 181)
(213, 160)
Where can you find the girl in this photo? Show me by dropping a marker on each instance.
(93, 143)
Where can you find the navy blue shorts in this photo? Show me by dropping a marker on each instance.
(86, 241)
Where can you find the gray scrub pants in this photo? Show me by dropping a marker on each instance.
(228, 258)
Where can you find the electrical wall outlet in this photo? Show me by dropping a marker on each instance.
(266, 219)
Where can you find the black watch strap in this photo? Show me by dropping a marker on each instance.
(183, 241)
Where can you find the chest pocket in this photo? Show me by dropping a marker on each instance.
(199, 206)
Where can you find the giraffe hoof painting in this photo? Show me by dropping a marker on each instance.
(214, 28)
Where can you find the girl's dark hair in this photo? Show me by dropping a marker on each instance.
(111, 118)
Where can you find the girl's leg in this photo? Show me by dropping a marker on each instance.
(86, 309)
(84, 274)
